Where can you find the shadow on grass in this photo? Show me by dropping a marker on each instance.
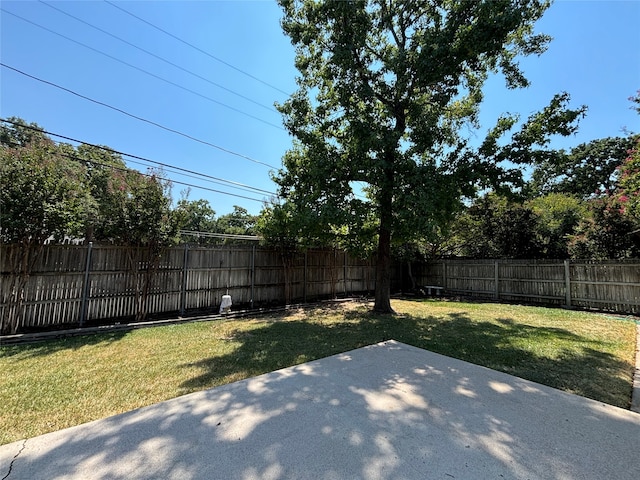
(48, 347)
(575, 364)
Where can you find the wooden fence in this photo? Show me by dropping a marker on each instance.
(601, 285)
(80, 285)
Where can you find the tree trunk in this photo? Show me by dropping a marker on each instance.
(135, 256)
(14, 307)
(22, 258)
(383, 273)
(383, 263)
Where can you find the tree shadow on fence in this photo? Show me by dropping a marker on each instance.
(576, 365)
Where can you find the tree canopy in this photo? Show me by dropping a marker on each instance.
(587, 170)
(386, 90)
(55, 190)
(42, 193)
(200, 224)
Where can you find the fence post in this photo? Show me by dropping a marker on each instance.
(183, 287)
(304, 279)
(444, 274)
(496, 279)
(229, 269)
(345, 273)
(85, 287)
(567, 282)
(253, 271)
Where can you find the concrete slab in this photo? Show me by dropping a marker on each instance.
(388, 411)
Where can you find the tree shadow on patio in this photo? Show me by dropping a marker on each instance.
(574, 364)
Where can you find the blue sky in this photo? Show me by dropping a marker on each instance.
(222, 92)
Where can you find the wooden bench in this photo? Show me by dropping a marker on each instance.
(432, 290)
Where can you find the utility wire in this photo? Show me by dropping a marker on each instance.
(204, 142)
(82, 160)
(266, 107)
(197, 48)
(219, 235)
(145, 71)
(200, 177)
(190, 173)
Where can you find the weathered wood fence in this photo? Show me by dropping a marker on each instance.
(78, 285)
(602, 285)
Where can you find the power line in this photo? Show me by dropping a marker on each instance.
(93, 162)
(193, 173)
(145, 71)
(199, 177)
(204, 142)
(266, 107)
(219, 235)
(197, 48)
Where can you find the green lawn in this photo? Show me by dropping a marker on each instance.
(49, 386)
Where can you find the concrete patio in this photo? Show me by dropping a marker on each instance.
(387, 411)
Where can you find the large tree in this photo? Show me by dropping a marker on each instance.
(494, 227)
(606, 233)
(15, 132)
(197, 216)
(558, 216)
(136, 211)
(386, 90)
(238, 222)
(42, 195)
(628, 187)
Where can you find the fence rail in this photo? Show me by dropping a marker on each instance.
(602, 285)
(78, 285)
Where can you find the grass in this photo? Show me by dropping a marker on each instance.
(49, 386)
